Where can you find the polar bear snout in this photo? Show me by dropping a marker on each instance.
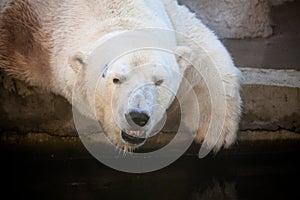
(137, 117)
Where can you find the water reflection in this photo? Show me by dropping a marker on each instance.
(216, 189)
(218, 177)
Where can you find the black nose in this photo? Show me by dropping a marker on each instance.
(138, 118)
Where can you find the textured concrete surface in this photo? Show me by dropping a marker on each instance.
(279, 51)
(26, 109)
(271, 99)
(271, 77)
(233, 18)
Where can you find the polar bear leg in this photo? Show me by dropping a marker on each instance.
(208, 56)
(224, 113)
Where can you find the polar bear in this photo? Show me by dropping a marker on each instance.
(55, 45)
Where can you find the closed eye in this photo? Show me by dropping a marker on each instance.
(159, 82)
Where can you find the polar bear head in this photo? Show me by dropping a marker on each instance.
(133, 92)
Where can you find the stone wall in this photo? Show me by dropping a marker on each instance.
(233, 18)
(28, 109)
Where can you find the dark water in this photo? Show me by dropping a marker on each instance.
(29, 175)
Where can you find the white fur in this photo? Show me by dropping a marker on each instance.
(78, 27)
(165, 14)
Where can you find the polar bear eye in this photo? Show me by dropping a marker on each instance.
(159, 82)
(116, 81)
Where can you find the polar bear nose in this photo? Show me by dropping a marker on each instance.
(139, 118)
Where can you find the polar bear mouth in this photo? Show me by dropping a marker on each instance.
(133, 137)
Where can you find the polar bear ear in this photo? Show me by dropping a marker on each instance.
(183, 55)
(77, 61)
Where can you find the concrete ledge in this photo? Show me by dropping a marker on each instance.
(54, 147)
(271, 99)
(35, 139)
(271, 77)
(29, 109)
(271, 102)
